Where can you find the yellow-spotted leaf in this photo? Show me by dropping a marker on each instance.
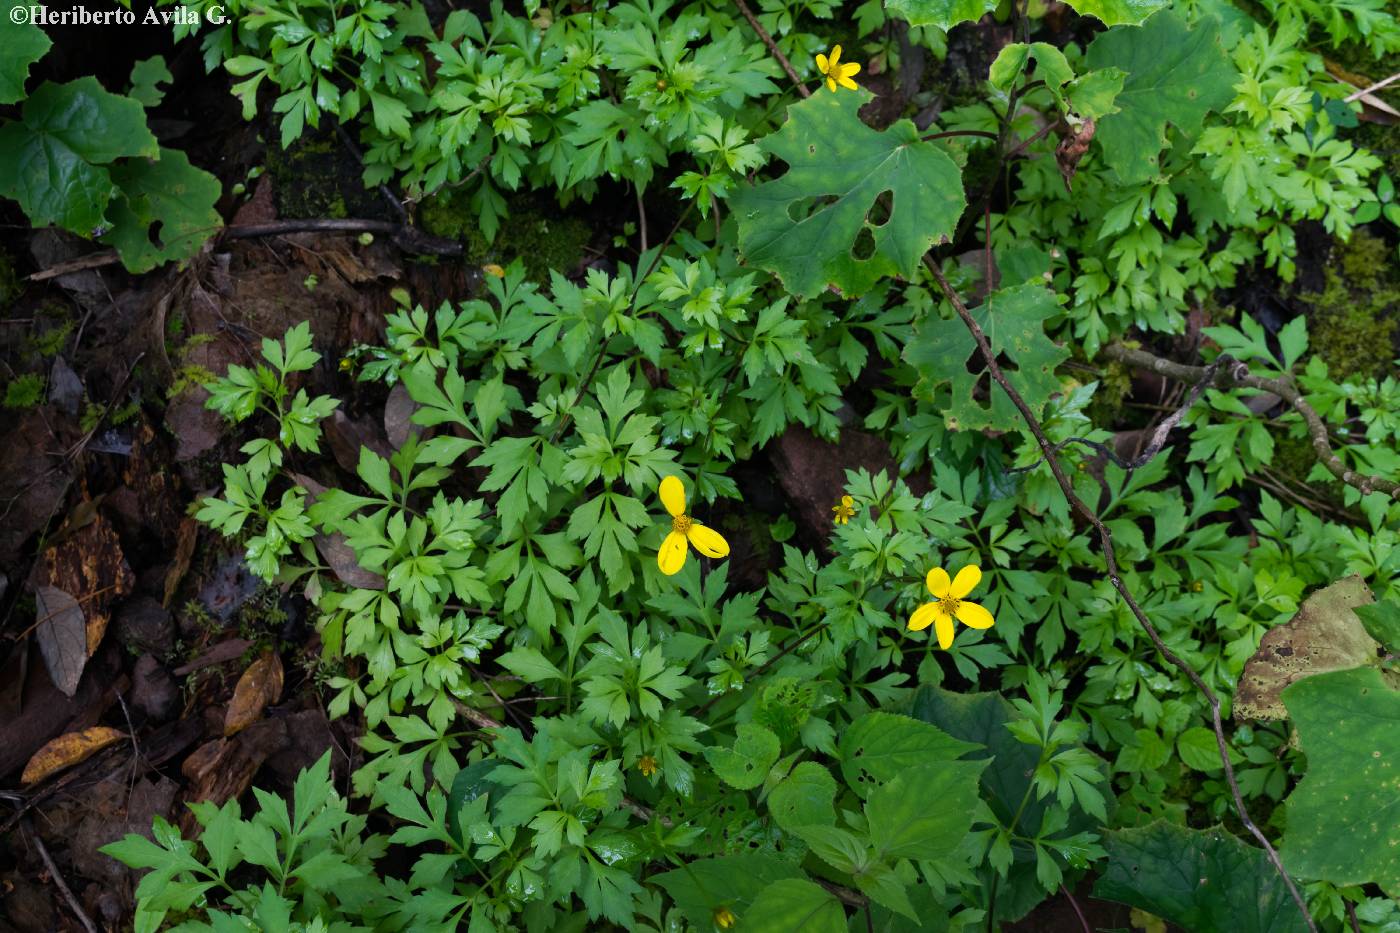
(67, 750)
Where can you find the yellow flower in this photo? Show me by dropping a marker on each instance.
(845, 510)
(950, 604)
(835, 72)
(647, 765)
(492, 269)
(724, 918)
(671, 557)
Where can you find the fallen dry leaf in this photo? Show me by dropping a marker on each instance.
(184, 551)
(260, 685)
(67, 750)
(62, 635)
(398, 410)
(89, 565)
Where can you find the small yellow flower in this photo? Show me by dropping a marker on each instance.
(1197, 586)
(845, 510)
(724, 918)
(647, 765)
(492, 269)
(835, 72)
(671, 557)
(950, 604)
(346, 364)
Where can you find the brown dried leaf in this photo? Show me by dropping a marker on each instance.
(88, 564)
(1324, 635)
(398, 411)
(62, 634)
(1071, 149)
(260, 685)
(341, 558)
(184, 551)
(68, 750)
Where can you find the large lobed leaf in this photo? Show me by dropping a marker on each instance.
(1014, 321)
(1342, 824)
(51, 160)
(171, 195)
(1205, 879)
(804, 225)
(1176, 75)
(24, 44)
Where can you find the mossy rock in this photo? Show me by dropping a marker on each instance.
(1353, 320)
(531, 231)
(318, 177)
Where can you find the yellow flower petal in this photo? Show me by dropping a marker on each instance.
(937, 582)
(850, 69)
(671, 557)
(974, 616)
(673, 496)
(708, 541)
(944, 628)
(966, 581)
(831, 83)
(822, 65)
(835, 57)
(847, 501)
(846, 82)
(922, 617)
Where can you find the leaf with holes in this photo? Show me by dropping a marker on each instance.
(1199, 879)
(878, 747)
(166, 210)
(1341, 816)
(945, 14)
(804, 798)
(746, 764)
(1014, 321)
(811, 226)
(1176, 75)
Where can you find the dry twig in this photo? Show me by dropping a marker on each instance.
(28, 829)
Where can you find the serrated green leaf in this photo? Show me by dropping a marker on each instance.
(1340, 816)
(1014, 321)
(904, 825)
(804, 797)
(1175, 74)
(1202, 879)
(837, 169)
(878, 747)
(945, 14)
(1118, 12)
(795, 905)
(50, 161)
(746, 764)
(24, 44)
(169, 201)
(146, 77)
(731, 881)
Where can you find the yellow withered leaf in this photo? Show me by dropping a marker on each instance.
(67, 750)
(260, 685)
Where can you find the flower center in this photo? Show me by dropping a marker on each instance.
(681, 524)
(948, 605)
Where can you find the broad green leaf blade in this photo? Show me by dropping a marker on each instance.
(945, 14)
(1119, 12)
(1176, 75)
(878, 747)
(904, 825)
(804, 798)
(730, 881)
(1198, 879)
(804, 226)
(747, 763)
(1342, 823)
(49, 161)
(1382, 622)
(24, 44)
(171, 196)
(1014, 322)
(794, 906)
(1324, 635)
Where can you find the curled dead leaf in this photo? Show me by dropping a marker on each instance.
(67, 750)
(260, 685)
(184, 550)
(1071, 149)
(62, 634)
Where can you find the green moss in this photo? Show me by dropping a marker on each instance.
(316, 177)
(1352, 323)
(543, 240)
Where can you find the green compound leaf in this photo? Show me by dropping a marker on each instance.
(1118, 12)
(24, 44)
(945, 14)
(1341, 816)
(50, 160)
(794, 906)
(171, 194)
(1203, 879)
(809, 225)
(1176, 75)
(746, 764)
(1014, 322)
